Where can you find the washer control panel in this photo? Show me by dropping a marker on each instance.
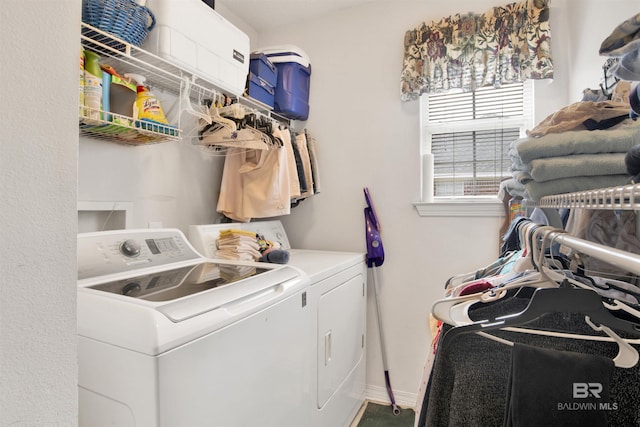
(112, 252)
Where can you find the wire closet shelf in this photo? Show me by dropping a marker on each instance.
(626, 197)
(127, 58)
(160, 74)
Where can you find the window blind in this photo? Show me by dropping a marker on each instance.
(469, 136)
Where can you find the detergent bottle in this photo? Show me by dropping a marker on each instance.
(92, 85)
(516, 208)
(146, 107)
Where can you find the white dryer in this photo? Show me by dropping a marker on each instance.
(169, 338)
(337, 298)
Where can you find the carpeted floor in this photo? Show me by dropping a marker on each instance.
(376, 415)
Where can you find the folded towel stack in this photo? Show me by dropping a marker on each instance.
(245, 245)
(238, 245)
(571, 160)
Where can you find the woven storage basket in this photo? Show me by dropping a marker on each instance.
(124, 19)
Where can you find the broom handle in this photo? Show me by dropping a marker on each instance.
(387, 380)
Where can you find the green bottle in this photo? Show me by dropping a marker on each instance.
(92, 85)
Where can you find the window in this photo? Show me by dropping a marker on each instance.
(469, 135)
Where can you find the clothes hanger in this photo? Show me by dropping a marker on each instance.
(214, 121)
(454, 311)
(266, 125)
(459, 314)
(242, 138)
(240, 127)
(230, 132)
(561, 300)
(494, 269)
(185, 101)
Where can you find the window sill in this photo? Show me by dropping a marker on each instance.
(472, 207)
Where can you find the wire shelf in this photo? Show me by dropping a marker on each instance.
(127, 58)
(123, 129)
(625, 197)
(160, 74)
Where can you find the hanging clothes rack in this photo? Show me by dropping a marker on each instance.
(548, 322)
(237, 126)
(563, 305)
(622, 259)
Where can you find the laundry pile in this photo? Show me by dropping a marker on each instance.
(624, 43)
(572, 160)
(582, 146)
(236, 244)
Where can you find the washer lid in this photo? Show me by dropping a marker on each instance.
(242, 297)
(171, 284)
(152, 322)
(184, 292)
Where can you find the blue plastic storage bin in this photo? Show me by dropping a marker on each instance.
(261, 66)
(294, 77)
(260, 90)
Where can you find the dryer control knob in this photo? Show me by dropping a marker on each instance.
(130, 248)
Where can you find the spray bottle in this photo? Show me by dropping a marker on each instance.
(146, 106)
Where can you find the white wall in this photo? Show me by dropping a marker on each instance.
(40, 47)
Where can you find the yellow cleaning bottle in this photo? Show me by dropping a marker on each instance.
(146, 107)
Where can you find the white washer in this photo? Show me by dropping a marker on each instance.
(337, 297)
(169, 338)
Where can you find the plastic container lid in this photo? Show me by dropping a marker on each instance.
(286, 53)
(289, 58)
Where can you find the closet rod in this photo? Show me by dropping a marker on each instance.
(622, 259)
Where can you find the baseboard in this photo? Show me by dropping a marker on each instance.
(379, 395)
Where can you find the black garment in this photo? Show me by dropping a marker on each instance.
(469, 381)
(557, 388)
(302, 177)
(592, 124)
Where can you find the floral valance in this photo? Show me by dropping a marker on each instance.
(507, 44)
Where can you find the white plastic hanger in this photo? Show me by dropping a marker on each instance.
(223, 132)
(187, 106)
(454, 310)
(545, 301)
(627, 356)
(456, 313)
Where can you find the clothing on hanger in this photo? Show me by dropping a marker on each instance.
(487, 339)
